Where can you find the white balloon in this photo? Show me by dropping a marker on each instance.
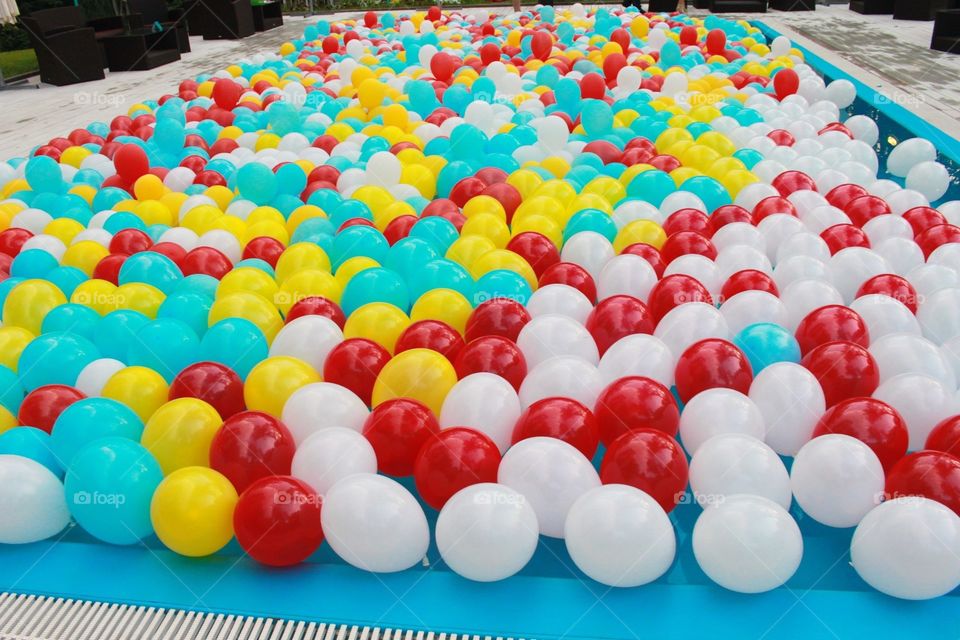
(485, 402)
(32, 501)
(330, 455)
(885, 227)
(927, 279)
(739, 258)
(747, 543)
(775, 229)
(738, 233)
(851, 267)
(487, 532)
(799, 268)
(939, 315)
(863, 128)
(908, 154)
(803, 296)
(626, 274)
(619, 536)
(639, 354)
(560, 299)
(94, 376)
(309, 338)
(909, 353)
(553, 335)
(841, 92)
(321, 405)
(568, 376)
(903, 200)
(908, 548)
(374, 523)
(735, 463)
(718, 411)
(588, 249)
(700, 268)
(922, 401)
(803, 244)
(837, 480)
(791, 402)
(753, 306)
(946, 255)
(224, 242)
(383, 169)
(902, 254)
(930, 179)
(691, 322)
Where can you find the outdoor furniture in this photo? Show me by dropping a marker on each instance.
(946, 31)
(793, 5)
(738, 6)
(872, 7)
(157, 11)
(141, 49)
(67, 49)
(267, 15)
(223, 19)
(920, 9)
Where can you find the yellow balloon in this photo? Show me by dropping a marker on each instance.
(378, 321)
(421, 374)
(467, 248)
(504, 259)
(13, 340)
(29, 302)
(249, 306)
(247, 280)
(300, 256)
(7, 420)
(307, 283)
(140, 388)
(99, 295)
(646, 231)
(192, 511)
(137, 296)
(487, 225)
(273, 380)
(84, 255)
(179, 433)
(353, 266)
(445, 305)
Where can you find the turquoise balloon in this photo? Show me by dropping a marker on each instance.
(502, 283)
(652, 185)
(670, 55)
(192, 309)
(33, 443)
(165, 345)
(256, 182)
(408, 255)
(55, 358)
(359, 241)
(291, 179)
(713, 194)
(439, 232)
(33, 263)
(151, 268)
(236, 343)
(11, 391)
(72, 318)
(199, 283)
(591, 220)
(67, 279)
(257, 263)
(121, 220)
(375, 285)
(109, 486)
(344, 211)
(116, 331)
(90, 419)
(43, 174)
(442, 274)
(596, 118)
(765, 343)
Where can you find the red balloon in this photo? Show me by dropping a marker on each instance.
(688, 35)
(539, 252)
(355, 364)
(716, 42)
(561, 418)
(772, 205)
(130, 241)
(43, 405)
(931, 474)
(785, 83)
(687, 220)
(727, 214)
(277, 521)
(452, 460)
(710, 364)
(497, 317)
(922, 218)
(831, 323)
(648, 253)
(12, 239)
(465, 189)
(673, 291)
(592, 85)
(370, 19)
(397, 429)
(622, 38)
(687, 242)
(541, 43)
(634, 403)
(214, 383)
(206, 260)
(842, 236)
(264, 248)
(861, 209)
(431, 334)
(489, 53)
(937, 236)
(651, 461)
(782, 137)
(570, 274)
(748, 280)
(251, 445)
(399, 228)
(226, 93)
(612, 65)
(891, 285)
(317, 306)
(945, 436)
(616, 317)
(873, 422)
(505, 194)
(108, 268)
(131, 162)
(492, 354)
(173, 251)
(842, 194)
(845, 370)
(442, 66)
(790, 181)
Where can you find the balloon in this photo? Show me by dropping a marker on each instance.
(553, 335)
(710, 364)
(791, 402)
(321, 405)
(718, 411)
(747, 544)
(396, 539)
(567, 376)
(271, 383)
(397, 429)
(451, 460)
(922, 401)
(32, 443)
(831, 323)
(492, 354)
(648, 460)
(494, 416)
(213, 383)
(617, 317)
(34, 500)
(331, 454)
(907, 548)
(251, 445)
(551, 475)
(560, 418)
(931, 474)
(192, 511)
(786, 82)
(309, 338)
(90, 419)
(42, 406)
(943, 437)
(420, 374)
(277, 521)
(734, 463)
(844, 369)
(179, 433)
(109, 486)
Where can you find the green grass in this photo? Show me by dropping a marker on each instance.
(14, 63)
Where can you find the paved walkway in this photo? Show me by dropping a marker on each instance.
(891, 56)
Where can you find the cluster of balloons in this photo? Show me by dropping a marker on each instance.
(564, 269)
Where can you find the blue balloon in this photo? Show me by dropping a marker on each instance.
(33, 443)
(441, 274)
(33, 263)
(72, 318)
(765, 343)
(43, 174)
(652, 185)
(55, 358)
(193, 309)
(11, 391)
(116, 331)
(375, 285)
(590, 220)
(596, 117)
(409, 255)
(236, 343)
(291, 179)
(121, 220)
(502, 283)
(109, 486)
(165, 345)
(359, 241)
(90, 419)
(67, 279)
(437, 231)
(151, 268)
(257, 183)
